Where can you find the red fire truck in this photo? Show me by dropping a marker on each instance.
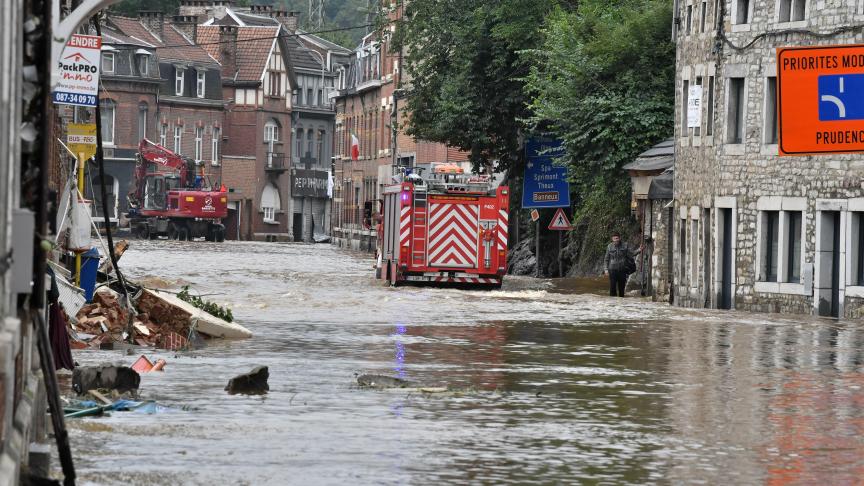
(448, 228)
(170, 200)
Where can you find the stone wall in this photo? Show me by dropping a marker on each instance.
(749, 176)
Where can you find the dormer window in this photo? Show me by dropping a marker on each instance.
(179, 77)
(107, 62)
(142, 58)
(199, 86)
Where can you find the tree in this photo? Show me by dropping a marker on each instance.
(603, 82)
(465, 77)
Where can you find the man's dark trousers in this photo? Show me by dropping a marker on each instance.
(617, 282)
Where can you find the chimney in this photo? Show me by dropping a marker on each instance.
(228, 46)
(289, 19)
(218, 9)
(154, 20)
(193, 7)
(188, 24)
(261, 9)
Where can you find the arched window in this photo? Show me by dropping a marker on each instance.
(270, 203)
(271, 138)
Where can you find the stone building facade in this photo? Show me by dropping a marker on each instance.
(755, 231)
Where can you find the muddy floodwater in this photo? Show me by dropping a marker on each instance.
(553, 383)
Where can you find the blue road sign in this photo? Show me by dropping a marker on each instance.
(545, 183)
(841, 97)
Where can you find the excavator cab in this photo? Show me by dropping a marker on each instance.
(155, 192)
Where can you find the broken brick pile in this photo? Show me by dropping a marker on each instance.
(107, 320)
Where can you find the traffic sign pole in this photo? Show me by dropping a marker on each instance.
(81, 163)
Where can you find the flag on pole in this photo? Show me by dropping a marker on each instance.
(355, 147)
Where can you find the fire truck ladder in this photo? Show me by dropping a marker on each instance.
(419, 231)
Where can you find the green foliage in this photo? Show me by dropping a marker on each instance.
(467, 85)
(211, 308)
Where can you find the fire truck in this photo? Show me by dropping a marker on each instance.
(447, 228)
(171, 200)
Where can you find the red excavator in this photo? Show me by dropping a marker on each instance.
(171, 199)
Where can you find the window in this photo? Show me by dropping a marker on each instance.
(709, 127)
(320, 150)
(142, 121)
(792, 247)
(858, 248)
(309, 98)
(179, 76)
(178, 139)
(270, 203)
(299, 138)
(703, 14)
(200, 85)
(271, 137)
(107, 62)
(689, 19)
(735, 120)
(771, 110)
(682, 250)
(770, 245)
(199, 143)
(275, 83)
(163, 134)
(310, 144)
(685, 101)
(697, 130)
(217, 135)
(791, 10)
(320, 97)
(742, 11)
(143, 64)
(107, 110)
(694, 253)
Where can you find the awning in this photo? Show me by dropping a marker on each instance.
(661, 186)
(658, 158)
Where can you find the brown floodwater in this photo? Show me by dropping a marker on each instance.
(554, 383)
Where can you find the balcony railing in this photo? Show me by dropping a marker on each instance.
(276, 162)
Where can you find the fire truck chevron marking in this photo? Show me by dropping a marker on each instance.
(404, 225)
(453, 234)
(503, 219)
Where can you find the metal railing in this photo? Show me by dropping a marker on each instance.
(276, 161)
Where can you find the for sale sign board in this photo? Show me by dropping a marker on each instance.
(79, 71)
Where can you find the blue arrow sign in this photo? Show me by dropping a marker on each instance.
(545, 184)
(841, 97)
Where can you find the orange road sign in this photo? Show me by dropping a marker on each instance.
(535, 215)
(820, 94)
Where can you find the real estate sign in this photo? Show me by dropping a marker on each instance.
(79, 71)
(694, 106)
(820, 100)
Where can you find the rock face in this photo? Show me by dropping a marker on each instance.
(252, 383)
(383, 381)
(120, 378)
(521, 260)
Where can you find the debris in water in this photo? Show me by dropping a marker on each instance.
(252, 383)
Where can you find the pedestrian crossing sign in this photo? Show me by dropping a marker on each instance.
(560, 221)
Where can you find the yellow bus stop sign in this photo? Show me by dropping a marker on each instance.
(81, 139)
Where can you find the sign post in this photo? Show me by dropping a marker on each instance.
(545, 184)
(820, 109)
(560, 223)
(81, 139)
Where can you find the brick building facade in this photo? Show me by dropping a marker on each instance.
(366, 108)
(752, 230)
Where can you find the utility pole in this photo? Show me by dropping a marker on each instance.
(397, 92)
(316, 13)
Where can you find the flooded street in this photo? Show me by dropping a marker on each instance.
(551, 385)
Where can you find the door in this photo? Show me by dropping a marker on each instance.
(835, 264)
(297, 226)
(726, 260)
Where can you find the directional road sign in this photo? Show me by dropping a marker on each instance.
(820, 93)
(559, 221)
(545, 183)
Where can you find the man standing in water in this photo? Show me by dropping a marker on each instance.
(619, 263)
